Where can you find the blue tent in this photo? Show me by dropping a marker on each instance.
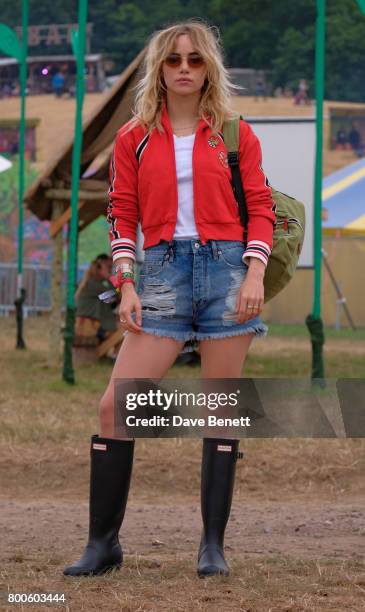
(343, 200)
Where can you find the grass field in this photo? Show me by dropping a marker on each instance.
(295, 540)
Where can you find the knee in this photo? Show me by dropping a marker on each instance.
(106, 410)
(110, 424)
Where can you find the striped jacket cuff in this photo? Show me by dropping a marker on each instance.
(257, 248)
(123, 247)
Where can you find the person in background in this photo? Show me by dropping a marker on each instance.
(72, 90)
(260, 89)
(58, 82)
(301, 96)
(354, 139)
(95, 320)
(341, 139)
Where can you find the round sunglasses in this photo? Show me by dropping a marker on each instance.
(174, 60)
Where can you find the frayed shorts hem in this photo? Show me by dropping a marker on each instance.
(180, 336)
(191, 339)
(258, 330)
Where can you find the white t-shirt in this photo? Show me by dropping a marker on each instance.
(185, 225)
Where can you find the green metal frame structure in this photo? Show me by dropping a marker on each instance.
(10, 45)
(314, 321)
(78, 46)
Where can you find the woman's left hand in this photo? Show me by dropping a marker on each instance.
(250, 298)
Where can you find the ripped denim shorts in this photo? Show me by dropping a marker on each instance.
(188, 291)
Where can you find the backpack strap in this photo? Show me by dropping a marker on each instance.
(231, 130)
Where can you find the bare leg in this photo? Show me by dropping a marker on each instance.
(140, 356)
(224, 357)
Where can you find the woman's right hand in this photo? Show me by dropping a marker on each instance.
(129, 303)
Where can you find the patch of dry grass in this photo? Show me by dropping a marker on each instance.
(268, 585)
(44, 455)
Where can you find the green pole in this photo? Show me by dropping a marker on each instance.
(78, 43)
(319, 80)
(23, 84)
(9, 44)
(314, 321)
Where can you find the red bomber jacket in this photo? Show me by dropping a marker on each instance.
(143, 188)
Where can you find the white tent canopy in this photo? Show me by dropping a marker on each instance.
(5, 164)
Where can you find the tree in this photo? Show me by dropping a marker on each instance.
(276, 36)
(294, 58)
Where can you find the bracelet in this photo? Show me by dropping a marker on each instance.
(125, 277)
(126, 274)
(120, 278)
(126, 280)
(124, 267)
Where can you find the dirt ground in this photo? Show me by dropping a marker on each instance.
(295, 540)
(160, 543)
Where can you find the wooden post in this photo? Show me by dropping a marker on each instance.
(56, 319)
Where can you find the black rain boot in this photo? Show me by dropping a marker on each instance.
(217, 480)
(111, 469)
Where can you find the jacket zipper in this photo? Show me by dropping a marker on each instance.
(194, 187)
(172, 144)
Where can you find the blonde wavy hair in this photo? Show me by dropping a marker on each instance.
(216, 92)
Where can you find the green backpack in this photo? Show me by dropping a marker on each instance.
(289, 227)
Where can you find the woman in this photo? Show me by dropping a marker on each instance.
(198, 282)
(95, 320)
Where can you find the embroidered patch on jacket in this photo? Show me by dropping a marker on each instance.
(213, 141)
(223, 159)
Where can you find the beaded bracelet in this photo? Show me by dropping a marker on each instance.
(125, 277)
(120, 278)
